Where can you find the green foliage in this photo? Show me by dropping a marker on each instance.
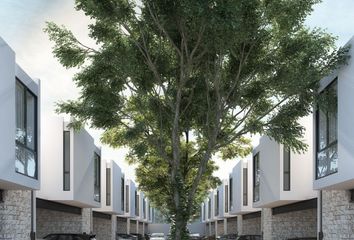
(180, 81)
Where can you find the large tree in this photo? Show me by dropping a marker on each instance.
(180, 81)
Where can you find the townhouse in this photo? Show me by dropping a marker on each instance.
(20, 148)
(243, 218)
(282, 188)
(334, 153)
(71, 179)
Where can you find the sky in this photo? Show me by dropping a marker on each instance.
(22, 23)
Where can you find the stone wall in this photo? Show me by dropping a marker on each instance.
(289, 225)
(338, 215)
(220, 227)
(102, 228)
(50, 221)
(212, 232)
(121, 225)
(133, 226)
(15, 215)
(232, 225)
(251, 226)
(141, 228)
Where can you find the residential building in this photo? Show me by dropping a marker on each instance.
(281, 187)
(334, 153)
(20, 163)
(242, 218)
(71, 182)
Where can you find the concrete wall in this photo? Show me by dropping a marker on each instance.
(9, 179)
(15, 215)
(344, 178)
(102, 228)
(338, 215)
(49, 221)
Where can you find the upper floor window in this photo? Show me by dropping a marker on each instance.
(230, 193)
(286, 169)
(216, 203)
(136, 203)
(122, 193)
(256, 178)
(209, 208)
(108, 186)
(97, 178)
(226, 198)
(245, 186)
(127, 192)
(326, 126)
(66, 161)
(26, 131)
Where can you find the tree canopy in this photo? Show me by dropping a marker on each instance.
(180, 81)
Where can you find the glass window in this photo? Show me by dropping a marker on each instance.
(108, 186)
(122, 193)
(26, 131)
(127, 198)
(209, 208)
(326, 119)
(245, 186)
(286, 169)
(66, 160)
(226, 198)
(144, 208)
(136, 203)
(216, 203)
(204, 211)
(256, 178)
(97, 177)
(230, 195)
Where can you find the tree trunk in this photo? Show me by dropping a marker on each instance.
(179, 226)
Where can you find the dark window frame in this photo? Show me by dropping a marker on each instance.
(127, 198)
(351, 195)
(245, 186)
(137, 203)
(18, 143)
(286, 172)
(329, 145)
(216, 203)
(256, 187)
(98, 180)
(122, 192)
(66, 185)
(108, 186)
(230, 193)
(226, 189)
(209, 208)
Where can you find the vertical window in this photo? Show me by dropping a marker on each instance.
(245, 186)
(230, 194)
(286, 169)
(66, 167)
(26, 131)
(122, 193)
(209, 208)
(136, 203)
(326, 126)
(256, 177)
(108, 186)
(97, 178)
(226, 198)
(216, 203)
(144, 208)
(127, 198)
(150, 213)
(204, 211)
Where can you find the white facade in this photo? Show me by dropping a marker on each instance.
(242, 192)
(272, 192)
(10, 76)
(343, 178)
(112, 188)
(80, 174)
(222, 192)
(129, 199)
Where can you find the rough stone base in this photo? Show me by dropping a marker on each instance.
(102, 228)
(49, 221)
(220, 228)
(122, 225)
(133, 226)
(212, 227)
(289, 225)
(338, 215)
(251, 226)
(15, 215)
(232, 225)
(141, 228)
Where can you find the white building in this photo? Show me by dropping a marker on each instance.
(333, 159)
(19, 145)
(71, 182)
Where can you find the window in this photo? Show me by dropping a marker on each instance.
(122, 193)
(245, 186)
(108, 186)
(286, 169)
(97, 178)
(209, 208)
(326, 126)
(66, 161)
(136, 203)
(256, 177)
(26, 132)
(127, 198)
(352, 195)
(144, 208)
(226, 198)
(216, 203)
(204, 211)
(230, 196)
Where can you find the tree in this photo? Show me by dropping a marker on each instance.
(180, 81)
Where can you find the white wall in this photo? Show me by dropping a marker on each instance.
(82, 150)
(271, 171)
(196, 227)
(344, 178)
(132, 188)
(9, 179)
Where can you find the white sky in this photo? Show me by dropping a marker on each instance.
(22, 21)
